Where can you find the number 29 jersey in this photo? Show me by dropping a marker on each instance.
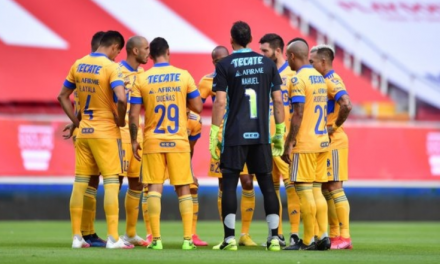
(163, 90)
(248, 79)
(310, 88)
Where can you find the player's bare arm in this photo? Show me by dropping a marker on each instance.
(64, 99)
(344, 110)
(297, 116)
(71, 127)
(122, 104)
(135, 110)
(195, 104)
(278, 106)
(218, 109)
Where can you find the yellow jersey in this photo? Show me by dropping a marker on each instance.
(336, 89)
(94, 76)
(163, 90)
(129, 76)
(194, 126)
(308, 86)
(75, 110)
(205, 87)
(286, 74)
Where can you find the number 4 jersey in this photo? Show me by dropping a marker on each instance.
(310, 88)
(163, 90)
(248, 79)
(94, 76)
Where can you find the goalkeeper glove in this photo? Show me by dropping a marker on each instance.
(213, 141)
(278, 140)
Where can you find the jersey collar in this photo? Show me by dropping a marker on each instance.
(126, 65)
(283, 67)
(304, 66)
(243, 50)
(162, 64)
(329, 73)
(96, 54)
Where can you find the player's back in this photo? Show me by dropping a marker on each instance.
(164, 90)
(248, 78)
(309, 87)
(205, 87)
(94, 76)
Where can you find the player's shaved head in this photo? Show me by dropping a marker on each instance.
(299, 49)
(219, 53)
(135, 42)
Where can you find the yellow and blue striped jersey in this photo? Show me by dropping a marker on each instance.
(94, 77)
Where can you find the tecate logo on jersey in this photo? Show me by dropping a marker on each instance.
(167, 144)
(251, 135)
(36, 144)
(87, 130)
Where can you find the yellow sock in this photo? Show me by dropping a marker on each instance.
(145, 211)
(219, 204)
(280, 224)
(89, 212)
(111, 205)
(154, 209)
(332, 216)
(76, 202)
(247, 209)
(186, 211)
(343, 211)
(293, 206)
(308, 210)
(321, 210)
(132, 199)
(195, 200)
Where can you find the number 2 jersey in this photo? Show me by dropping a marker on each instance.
(94, 77)
(248, 79)
(163, 90)
(310, 88)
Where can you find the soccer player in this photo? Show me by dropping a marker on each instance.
(272, 46)
(248, 194)
(97, 80)
(165, 91)
(137, 53)
(338, 109)
(243, 82)
(89, 208)
(308, 140)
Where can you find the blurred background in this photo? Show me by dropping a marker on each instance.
(386, 53)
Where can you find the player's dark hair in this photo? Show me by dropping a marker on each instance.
(326, 52)
(112, 37)
(241, 33)
(298, 39)
(96, 39)
(158, 47)
(274, 40)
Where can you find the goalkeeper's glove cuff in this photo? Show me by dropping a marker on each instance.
(280, 129)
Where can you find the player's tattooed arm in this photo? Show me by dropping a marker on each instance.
(344, 110)
(297, 116)
(133, 131)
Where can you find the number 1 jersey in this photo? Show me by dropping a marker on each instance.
(248, 79)
(163, 90)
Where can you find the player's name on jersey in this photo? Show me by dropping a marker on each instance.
(249, 72)
(85, 88)
(248, 81)
(168, 77)
(320, 95)
(247, 61)
(165, 98)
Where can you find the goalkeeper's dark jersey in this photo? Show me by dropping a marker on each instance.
(248, 79)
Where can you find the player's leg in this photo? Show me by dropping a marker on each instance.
(342, 206)
(180, 173)
(259, 160)
(153, 174)
(149, 236)
(108, 155)
(195, 198)
(84, 167)
(89, 213)
(302, 173)
(247, 208)
(323, 241)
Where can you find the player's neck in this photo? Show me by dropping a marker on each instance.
(161, 59)
(132, 62)
(327, 70)
(280, 62)
(104, 50)
(238, 47)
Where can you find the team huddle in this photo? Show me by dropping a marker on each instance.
(272, 118)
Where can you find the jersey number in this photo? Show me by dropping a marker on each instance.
(322, 114)
(172, 114)
(252, 102)
(87, 111)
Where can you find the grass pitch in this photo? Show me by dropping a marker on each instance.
(374, 242)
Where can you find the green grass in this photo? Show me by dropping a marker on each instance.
(375, 242)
